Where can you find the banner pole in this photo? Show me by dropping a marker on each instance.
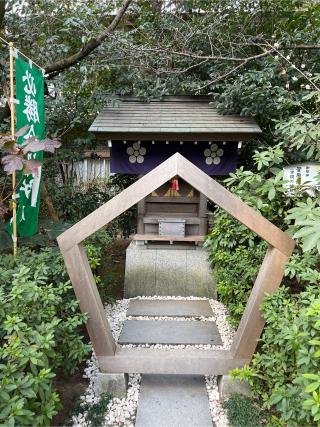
(12, 109)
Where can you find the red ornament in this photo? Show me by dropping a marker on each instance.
(175, 184)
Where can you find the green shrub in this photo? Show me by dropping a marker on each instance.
(242, 412)
(286, 370)
(41, 331)
(235, 257)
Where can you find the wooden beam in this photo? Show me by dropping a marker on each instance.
(118, 204)
(234, 206)
(203, 230)
(89, 299)
(164, 361)
(177, 165)
(252, 322)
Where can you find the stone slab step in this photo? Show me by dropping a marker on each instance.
(173, 401)
(169, 332)
(174, 308)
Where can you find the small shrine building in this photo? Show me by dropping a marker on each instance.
(141, 135)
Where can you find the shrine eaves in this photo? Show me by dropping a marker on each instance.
(143, 134)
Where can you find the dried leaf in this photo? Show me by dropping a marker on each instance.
(33, 146)
(4, 139)
(12, 163)
(51, 144)
(11, 147)
(22, 131)
(31, 166)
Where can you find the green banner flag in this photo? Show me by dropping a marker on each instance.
(30, 111)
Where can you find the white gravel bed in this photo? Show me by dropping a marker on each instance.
(218, 414)
(116, 315)
(122, 412)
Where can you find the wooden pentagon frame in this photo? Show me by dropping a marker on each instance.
(183, 361)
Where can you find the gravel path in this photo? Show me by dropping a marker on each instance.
(116, 315)
(122, 412)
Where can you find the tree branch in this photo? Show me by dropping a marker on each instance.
(223, 76)
(205, 57)
(55, 68)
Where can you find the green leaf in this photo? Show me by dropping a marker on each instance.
(311, 376)
(313, 386)
(271, 193)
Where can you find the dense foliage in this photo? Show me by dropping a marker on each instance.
(41, 331)
(84, 198)
(285, 371)
(242, 412)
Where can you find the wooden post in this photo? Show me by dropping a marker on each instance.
(52, 212)
(87, 293)
(203, 228)
(12, 115)
(252, 323)
(141, 211)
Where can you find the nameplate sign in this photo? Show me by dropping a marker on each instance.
(172, 227)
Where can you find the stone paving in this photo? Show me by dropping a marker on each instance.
(172, 332)
(175, 308)
(173, 401)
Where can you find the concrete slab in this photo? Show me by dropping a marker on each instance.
(175, 308)
(169, 332)
(140, 269)
(200, 282)
(171, 272)
(173, 400)
(162, 271)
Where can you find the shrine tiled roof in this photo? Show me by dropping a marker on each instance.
(171, 116)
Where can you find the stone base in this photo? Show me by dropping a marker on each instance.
(168, 271)
(113, 384)
(228, 388)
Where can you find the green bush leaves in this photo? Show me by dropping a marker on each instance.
(40, 333)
